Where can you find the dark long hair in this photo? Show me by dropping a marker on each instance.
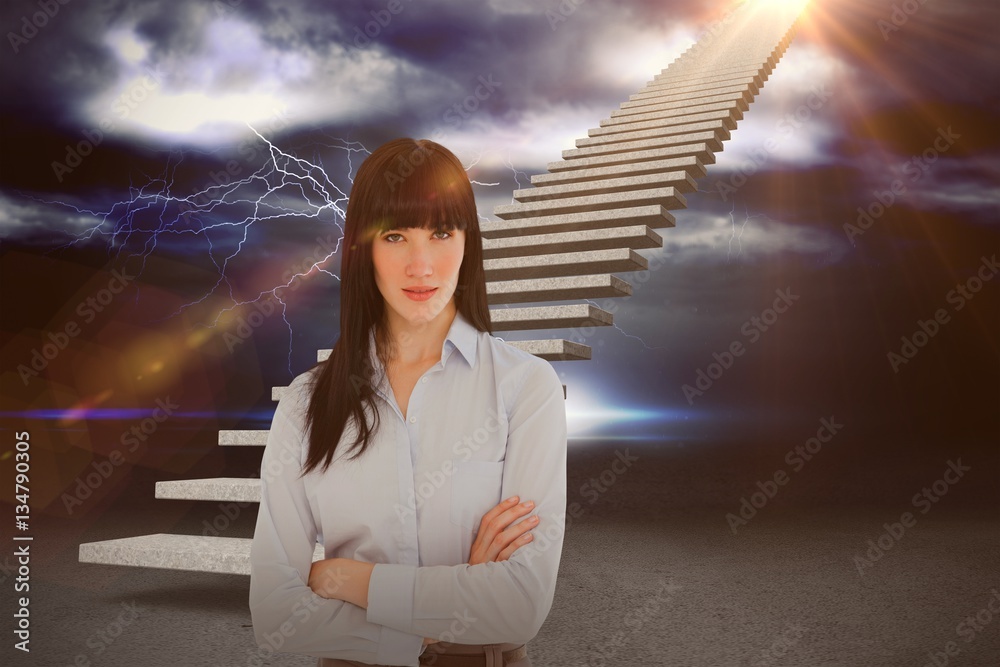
(403, 184)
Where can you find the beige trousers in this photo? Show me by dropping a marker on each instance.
(444, 654)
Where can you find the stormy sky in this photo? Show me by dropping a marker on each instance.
(127, 125)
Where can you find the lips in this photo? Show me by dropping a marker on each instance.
(419, 290)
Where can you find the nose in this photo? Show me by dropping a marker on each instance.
(419, 261)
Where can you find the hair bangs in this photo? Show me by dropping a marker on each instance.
(436, 195)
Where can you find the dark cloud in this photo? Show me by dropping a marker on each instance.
(783, 229)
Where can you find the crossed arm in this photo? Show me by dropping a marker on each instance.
(376, 611)
(498, 537)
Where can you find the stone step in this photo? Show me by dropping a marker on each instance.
(555, 349)
(711, 64)
(760, 72)
(701, 151)
(679, 113)
(712, 141)
(687, 98)
(659, 131)
(718, 61)
(690, 164)
(761, 58)
(729, 52)
(242, 437)
(669, 87)
(567, 288)
(764, 70)
(650, 216)
(680, 180)
(572, 315)
(677, 74)
(612, 260)
(740, 99)
(195, 553)
(727, 117)
(707, 90)
(633, 236)
(667, 197)
(574, 210)
(231, 489)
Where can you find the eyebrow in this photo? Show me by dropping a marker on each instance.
(401, 229)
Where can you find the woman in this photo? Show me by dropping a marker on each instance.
(396, 453)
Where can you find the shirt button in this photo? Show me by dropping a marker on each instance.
(423, 379)
(413, 420)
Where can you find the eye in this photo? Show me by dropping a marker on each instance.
(386, 237)
(443, 231)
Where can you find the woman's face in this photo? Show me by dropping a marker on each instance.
(411, 258)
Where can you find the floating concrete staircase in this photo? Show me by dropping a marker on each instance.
(559, 240)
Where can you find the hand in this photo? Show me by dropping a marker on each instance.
(325, 578)
(497, 539)
(341, 579)
(428, 641)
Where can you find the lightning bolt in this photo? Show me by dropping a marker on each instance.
(738, 239)
(285, 186)
(625, 333)
(516, 173)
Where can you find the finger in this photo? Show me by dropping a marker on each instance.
(500, 521)
(498, 509)
(514, 546)
(489, 541)
(495, 533)
(514, 536)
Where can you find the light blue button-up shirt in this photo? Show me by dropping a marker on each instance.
(486, 422)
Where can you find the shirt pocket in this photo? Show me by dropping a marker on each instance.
(475, 490)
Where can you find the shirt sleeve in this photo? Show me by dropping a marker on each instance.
(494, 602)
(287, 615)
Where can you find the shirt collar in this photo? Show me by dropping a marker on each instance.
(461, 335)
(464, 336)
